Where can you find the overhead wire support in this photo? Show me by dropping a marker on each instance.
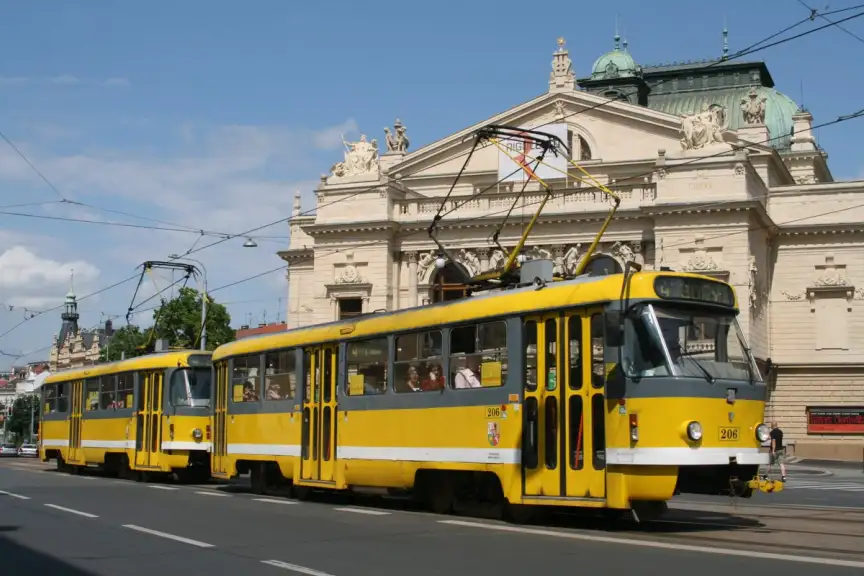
(494, 134)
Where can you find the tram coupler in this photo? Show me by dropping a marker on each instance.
(765, 485)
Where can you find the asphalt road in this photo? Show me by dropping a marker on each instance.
(60, 524)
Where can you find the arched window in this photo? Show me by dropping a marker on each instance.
(584, 149)
(581, 150)
(602, 265)
(446, 283)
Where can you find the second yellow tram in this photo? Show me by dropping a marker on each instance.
(149, 414)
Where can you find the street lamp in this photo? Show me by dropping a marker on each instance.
(203, 297)
(250, 243)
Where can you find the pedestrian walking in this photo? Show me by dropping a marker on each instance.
(778, 450)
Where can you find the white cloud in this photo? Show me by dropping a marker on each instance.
(227, 179)
(27, 279)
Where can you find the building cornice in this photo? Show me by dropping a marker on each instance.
(820, 229)
(316, 230)
(845, 187)
(297, 255)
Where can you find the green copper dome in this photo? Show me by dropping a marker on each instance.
(615, 64)
(779, 108)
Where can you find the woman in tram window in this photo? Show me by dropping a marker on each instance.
(435, 379)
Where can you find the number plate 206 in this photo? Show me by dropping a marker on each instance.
(729, 434)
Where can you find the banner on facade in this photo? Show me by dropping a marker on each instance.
(835, 420)
(523, 151)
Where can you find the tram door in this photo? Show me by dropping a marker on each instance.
(220, 409)
(148, 426)
(318, 435)
(564, 410)
(76, 399)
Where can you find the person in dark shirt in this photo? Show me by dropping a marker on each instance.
(778, 450)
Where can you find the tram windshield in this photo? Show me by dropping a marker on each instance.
(191, 387)
(690, 342)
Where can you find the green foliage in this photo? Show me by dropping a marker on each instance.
(127, 339)
(179, 321)
(23, 410)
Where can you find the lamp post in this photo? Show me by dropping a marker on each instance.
(203, 297)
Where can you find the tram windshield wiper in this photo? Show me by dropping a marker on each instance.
(689, 355)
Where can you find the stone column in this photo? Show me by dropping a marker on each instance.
(412, 277)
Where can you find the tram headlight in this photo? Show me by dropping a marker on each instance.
(763, 433)
(694, 431)
(197, 434)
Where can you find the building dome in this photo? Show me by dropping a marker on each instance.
(779, 108)
(615, 64)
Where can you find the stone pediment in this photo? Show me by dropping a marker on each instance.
(606, 125)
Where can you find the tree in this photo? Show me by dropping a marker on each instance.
(179, 321)
(128, 340)
(23, 410)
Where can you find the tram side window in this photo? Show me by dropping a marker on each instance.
(530, 355)
(245, 379)
(367, 367)
(125, 389)
(478, 355)
(107, 390)
(574, 328)
(91, 395)
(598, 361)
(280, 375)
(63, 396)
(49, 399)
(419, 362)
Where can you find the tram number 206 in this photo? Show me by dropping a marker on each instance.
(729, 434)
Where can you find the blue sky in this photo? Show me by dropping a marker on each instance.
(211, 114)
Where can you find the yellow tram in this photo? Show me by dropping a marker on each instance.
(149, 414)
(611, 392)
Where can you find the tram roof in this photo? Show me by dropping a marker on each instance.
(167, 359)
(581, 291)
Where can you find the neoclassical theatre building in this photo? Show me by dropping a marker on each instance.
(719, 173)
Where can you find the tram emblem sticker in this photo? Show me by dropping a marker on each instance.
(730, 395)
(492, 433)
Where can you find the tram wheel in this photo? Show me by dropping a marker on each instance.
(441, 496)
(258, 475)
(61, 464)
(301, 492)
(519, 513)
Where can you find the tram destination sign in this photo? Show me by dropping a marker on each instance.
(835, 420)
(698, 289)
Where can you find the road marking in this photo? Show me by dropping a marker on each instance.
(274, 501)
(661, 545)
(210, 493)
(158, 487)
(71, 511)
(168, 536)
(295, 568)
(363, 511)
(19, 496)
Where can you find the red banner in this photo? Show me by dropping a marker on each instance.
(839, 420)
